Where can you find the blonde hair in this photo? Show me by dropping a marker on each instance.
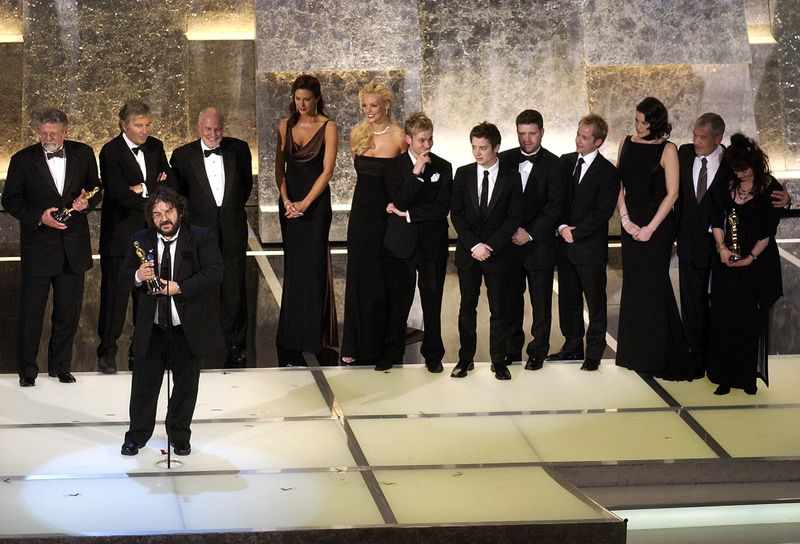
(362, 133)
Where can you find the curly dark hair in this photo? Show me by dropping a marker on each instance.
(169, 197)
(655, 113)
(744, 153)
(309, 83)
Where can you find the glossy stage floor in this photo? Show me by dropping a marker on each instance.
(334, 454)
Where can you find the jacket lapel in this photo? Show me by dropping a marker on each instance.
(199, 168)
(130, 160)
(228, 166)
(499, 187)
(472, 187)
(40, 162)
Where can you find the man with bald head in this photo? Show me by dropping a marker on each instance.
(215, 174)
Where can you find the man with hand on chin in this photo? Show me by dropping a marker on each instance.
(415, 243)
(486, 209)
(173, 328)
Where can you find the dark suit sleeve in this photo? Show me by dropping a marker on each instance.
(458, 197)
(245, 167)
(502, 235)
(606, 200)
(439, 208)
(393, 180)
(14, 195)
(209, 263)
(117, 187)
(163, 166)
(92, 180)
(544, 226)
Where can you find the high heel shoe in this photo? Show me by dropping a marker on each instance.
(722, 390)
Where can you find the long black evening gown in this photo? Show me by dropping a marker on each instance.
(308, 316)
(742, 297)
(650, 336)
(365, 298)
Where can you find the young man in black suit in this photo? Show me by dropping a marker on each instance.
(215, 174)
(132, 165)
(486, 209)
(42, 179)
(701, 166)
(174, 327)
(591, 190)
(534, 240)
(418, 183)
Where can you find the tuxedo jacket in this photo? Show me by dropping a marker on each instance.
(427, 199)
(30, 189)
(197, 268)
(503, 218)
(588, 206)
(123, 210)
(695, 242)
(230, 219)
(542, 202)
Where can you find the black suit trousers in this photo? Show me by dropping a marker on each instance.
(167, 349)
(234, 298)
(67, 300)
(540, 289)
(114, 295)
(469, 284)
(402, 275)
(574, 283)
(693, 284)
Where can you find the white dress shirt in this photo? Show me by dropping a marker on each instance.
(712, 166)
(139, 160)
(215, 171)
(58, 169)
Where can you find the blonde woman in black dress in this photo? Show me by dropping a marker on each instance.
(373, 142)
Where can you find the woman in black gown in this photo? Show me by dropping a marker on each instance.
(650, 337)
(373, 142)
(746, 280)
(304, 162)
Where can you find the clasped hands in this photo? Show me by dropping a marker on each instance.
(733, 260)
(482, 252)
(294, 209)
(640, 234)
(138, 189)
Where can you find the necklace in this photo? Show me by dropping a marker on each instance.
(744, 194)
(384, 131)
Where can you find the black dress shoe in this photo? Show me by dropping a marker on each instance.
(106, 365)
(751, 389)
(383, 365)
(434, 367)
(590, 364)
(181, 447)
(511, 359)
(534, 363)
(501, 372)
(565, 356)
(461, 369)
(27, 381)
(722, 390)
(236, 358)
(64, 377)
(130, 448)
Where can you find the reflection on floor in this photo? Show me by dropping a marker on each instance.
(301, 448)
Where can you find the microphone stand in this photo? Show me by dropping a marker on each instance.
(168, 417)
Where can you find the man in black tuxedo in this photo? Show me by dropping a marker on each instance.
(215, 174)
(42, 179)
(591, 190)
(701, 166)
(534, 240)
(486, 209)
(132, 165)
(418, 183)
(173, 328)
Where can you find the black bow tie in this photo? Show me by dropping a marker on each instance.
(208, 152)
(530, 158)
(136, 150)
(59, 154)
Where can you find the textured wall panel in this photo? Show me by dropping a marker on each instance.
(14, 126)
(88, 58)
(665, 32)
(340, 90)
(490, 64)
(687, 91)
(221, 74)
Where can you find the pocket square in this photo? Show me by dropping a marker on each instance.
(435, 177)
